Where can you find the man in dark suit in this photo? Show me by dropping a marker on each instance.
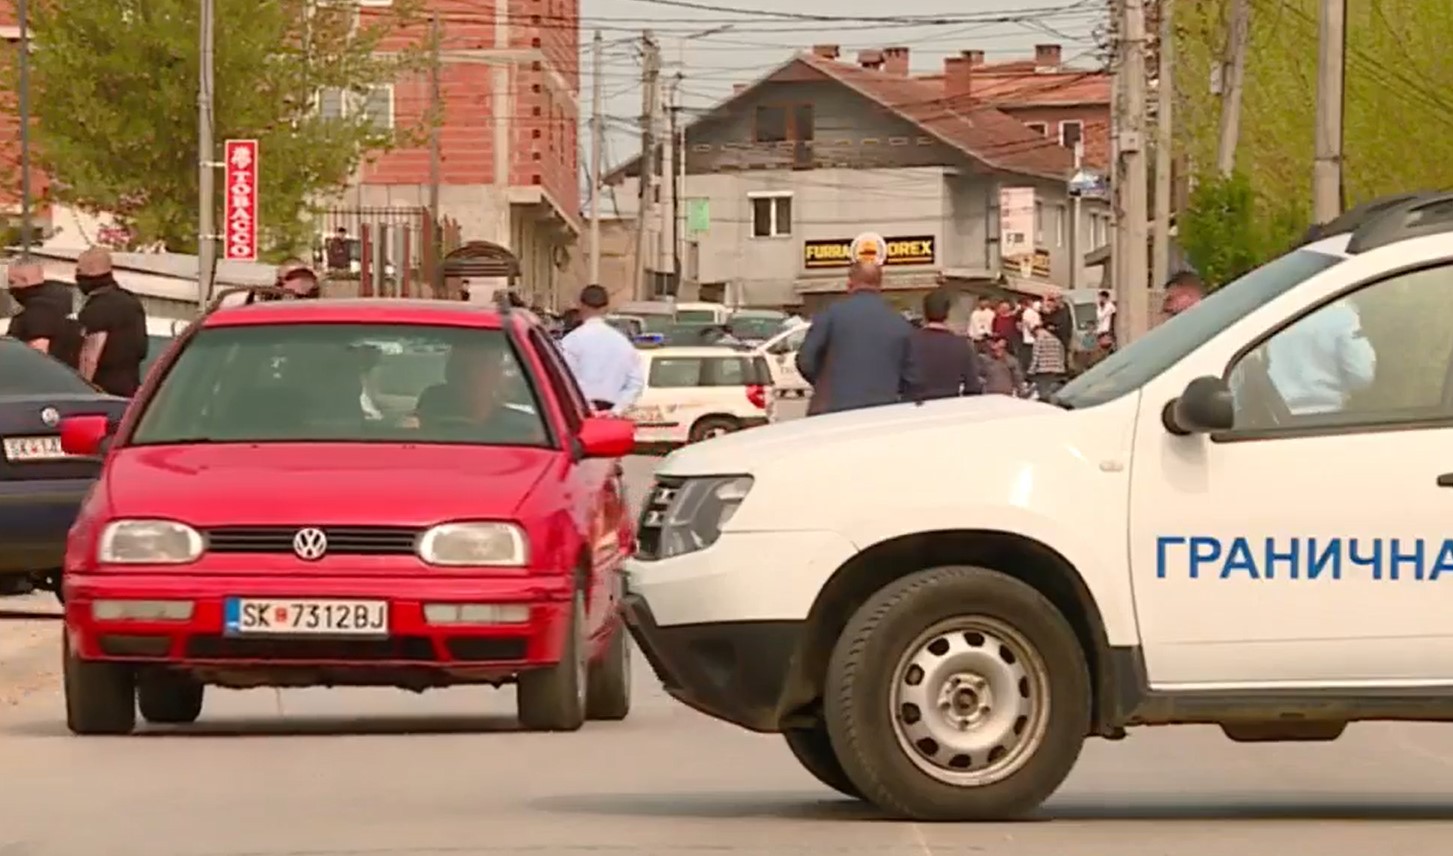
(857, 352)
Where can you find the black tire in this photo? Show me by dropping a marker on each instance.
(553, 698)
(608, 689)
(863, 725)
(813, 750)
(169, 698)
(712, 426)
(100, 697)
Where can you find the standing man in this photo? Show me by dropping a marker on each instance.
(45, 321)
(1002, 373)
(1184, 290)
(857, 352)
(1048, 363)
(981, 322)
(1056, 316)
(1029, 324)
(603, 360)
(947, 365)
(113, 322)
(1105, 316)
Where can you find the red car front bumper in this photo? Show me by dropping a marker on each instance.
(199, 642)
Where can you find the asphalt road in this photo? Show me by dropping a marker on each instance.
(367, 773)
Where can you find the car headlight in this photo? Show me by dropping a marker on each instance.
(479, 543)
(701, 508)
(149, 542)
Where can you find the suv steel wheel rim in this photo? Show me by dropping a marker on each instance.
(970, 701)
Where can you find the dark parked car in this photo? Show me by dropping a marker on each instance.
(41, 487)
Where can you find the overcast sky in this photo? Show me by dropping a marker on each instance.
(716, 44)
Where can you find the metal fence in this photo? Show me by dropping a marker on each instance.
(380, 252)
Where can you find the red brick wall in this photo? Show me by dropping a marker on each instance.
(545, 122)
(1096, 121)
(10, 132)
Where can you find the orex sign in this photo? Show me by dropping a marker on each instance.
(901, 251)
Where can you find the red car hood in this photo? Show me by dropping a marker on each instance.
(337, 484)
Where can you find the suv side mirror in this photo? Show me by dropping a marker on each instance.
(84, 436)
(607, 437)
(1204, 408)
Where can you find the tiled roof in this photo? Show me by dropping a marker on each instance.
(1028, 88)
(981, 132)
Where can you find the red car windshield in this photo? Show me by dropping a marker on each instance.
(333, 383)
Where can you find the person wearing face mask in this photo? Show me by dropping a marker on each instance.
(45, 321)
(113, 324)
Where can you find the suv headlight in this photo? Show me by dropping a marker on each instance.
(478, 543)
(149, 542)
(694, 519)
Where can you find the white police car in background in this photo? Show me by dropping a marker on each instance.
(1184, 535)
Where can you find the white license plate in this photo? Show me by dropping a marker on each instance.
(246, 616)
(34, 449)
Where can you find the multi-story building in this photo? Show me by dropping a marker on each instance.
(508, 106)
(782, 175)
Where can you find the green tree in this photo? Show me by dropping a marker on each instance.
(115, 98)
(1226, 230)
(1399, 98)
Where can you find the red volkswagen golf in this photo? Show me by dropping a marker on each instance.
(350, 493)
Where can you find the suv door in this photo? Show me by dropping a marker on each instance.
(1298, 546)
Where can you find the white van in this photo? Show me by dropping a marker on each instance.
(694, 394)
(702, 313)
(780, 352)
(1239, 519)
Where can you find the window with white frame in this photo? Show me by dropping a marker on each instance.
(377, 103)
(771, 214)
(1070, 134)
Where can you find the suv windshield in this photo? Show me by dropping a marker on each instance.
(345, 383)
(1142, 361)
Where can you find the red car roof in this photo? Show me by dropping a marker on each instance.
(371, 310)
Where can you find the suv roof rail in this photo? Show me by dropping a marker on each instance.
(1392, 219)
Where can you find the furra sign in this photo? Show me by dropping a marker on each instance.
(918, 250)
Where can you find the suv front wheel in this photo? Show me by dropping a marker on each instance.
(957, 693)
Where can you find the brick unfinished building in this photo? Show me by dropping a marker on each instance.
(509, 92)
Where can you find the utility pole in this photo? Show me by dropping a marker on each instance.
(597, 128)
(666, 255)
(1164, 104)
(678, 133)
(650, 108)
(206, 165)
(1233, 76)
(1331, 71)
(436, 115)
(1133, 298)
(23, 14)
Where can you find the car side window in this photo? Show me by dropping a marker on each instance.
(728, 371)
(1380, 356)
(675, 372)
(572, 401)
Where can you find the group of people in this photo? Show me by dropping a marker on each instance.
(105, 342)
(861, 353)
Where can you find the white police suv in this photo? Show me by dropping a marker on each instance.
(1240, 519)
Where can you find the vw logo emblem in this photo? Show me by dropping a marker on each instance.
(310, 544)
(51, 417)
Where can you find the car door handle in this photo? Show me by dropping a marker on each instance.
(1445, 480)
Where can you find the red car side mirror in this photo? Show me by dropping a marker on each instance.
(607, 437)
(84, 435)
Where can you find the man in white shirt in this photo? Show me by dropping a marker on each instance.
(603, 360)
(1105, 315)
(1029, 323)
(981, 321)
